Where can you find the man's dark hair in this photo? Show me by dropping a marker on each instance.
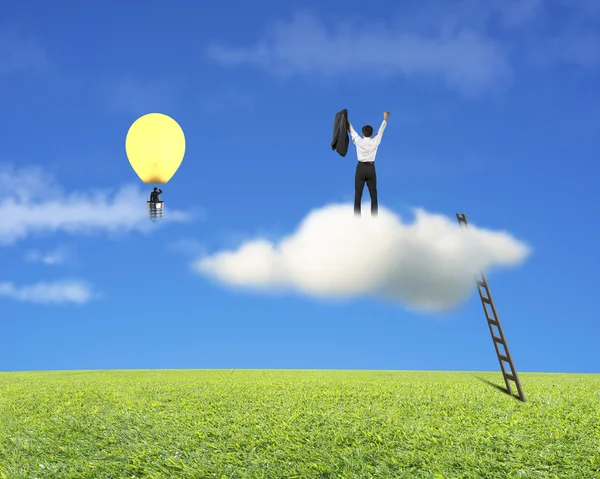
(155, 189)
(367, 130)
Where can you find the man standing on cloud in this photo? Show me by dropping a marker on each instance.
(366, 150)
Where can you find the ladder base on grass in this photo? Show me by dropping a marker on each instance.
(493, 320)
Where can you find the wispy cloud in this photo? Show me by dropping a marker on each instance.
(429, 265)
(33, 203)
(464, 59)
(19, 52)
(58, 292)
(57, 256)
(471, 45)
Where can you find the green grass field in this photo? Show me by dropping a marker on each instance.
(296, 424)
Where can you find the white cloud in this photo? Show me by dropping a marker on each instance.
(464, 58)
(49, 293)
(55, 257)
(429, 265)
(32, 203)
(471, 45)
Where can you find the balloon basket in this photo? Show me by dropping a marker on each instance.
(155, 210)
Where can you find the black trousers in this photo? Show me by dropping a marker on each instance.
(365, 173)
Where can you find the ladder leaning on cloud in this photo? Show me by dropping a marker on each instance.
(493, 321)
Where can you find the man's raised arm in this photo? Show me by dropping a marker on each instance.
(355, 136)
(377, 138)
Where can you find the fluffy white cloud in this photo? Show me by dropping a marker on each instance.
(32, 203)
(49, 293)
(427, 265)
(50, 258)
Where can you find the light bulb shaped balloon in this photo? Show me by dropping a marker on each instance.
(155, 147)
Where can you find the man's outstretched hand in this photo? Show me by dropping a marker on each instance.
(386, 114)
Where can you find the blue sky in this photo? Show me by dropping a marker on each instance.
(493, 113)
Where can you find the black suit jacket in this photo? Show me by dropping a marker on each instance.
(340, 133)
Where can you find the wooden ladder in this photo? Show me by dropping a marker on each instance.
(493, 321)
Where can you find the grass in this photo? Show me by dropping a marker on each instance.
(296, 424)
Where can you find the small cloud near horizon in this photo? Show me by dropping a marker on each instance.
(57, 292)
(57, 256)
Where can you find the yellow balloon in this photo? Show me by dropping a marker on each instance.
(155, 147)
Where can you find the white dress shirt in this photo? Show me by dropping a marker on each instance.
(366, 148)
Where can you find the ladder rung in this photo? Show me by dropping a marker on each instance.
(486, 298)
